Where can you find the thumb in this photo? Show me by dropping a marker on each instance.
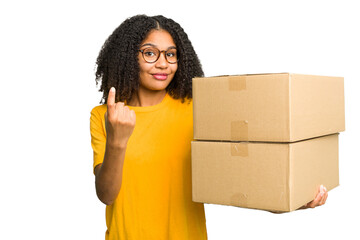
(133, 115)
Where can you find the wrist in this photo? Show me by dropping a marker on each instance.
(116, 145)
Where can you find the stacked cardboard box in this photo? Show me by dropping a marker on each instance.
(266, 141)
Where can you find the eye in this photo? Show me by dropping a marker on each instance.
(171, 53)
(150, 52)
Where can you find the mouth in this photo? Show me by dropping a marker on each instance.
(160, 76)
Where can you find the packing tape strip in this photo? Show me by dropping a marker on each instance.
(239, 149)
(239, 130)
(237, 83)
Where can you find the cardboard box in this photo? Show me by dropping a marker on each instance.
(268, 176)
(280, 107)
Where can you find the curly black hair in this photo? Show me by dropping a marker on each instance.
(117, 63)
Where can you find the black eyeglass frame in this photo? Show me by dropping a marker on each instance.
(163, 51)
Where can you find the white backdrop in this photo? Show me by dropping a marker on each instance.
(48, 51)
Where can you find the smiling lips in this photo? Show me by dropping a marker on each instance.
(160, 76)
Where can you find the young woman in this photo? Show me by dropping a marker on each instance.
(141, 137)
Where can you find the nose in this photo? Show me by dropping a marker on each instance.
(162, 62)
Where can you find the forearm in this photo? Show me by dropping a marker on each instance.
(108, 176)
(119, 125)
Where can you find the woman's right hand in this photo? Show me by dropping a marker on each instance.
(119, 122)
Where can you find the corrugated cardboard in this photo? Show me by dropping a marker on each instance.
(268, 176)
(280, 107)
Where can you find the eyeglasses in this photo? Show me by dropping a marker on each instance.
(152, 54)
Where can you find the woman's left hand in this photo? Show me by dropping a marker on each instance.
(319, 200)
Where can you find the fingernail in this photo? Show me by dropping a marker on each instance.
(112, 89)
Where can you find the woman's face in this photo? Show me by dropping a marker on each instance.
(157, 76)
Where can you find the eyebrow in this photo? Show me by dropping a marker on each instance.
(153, 45)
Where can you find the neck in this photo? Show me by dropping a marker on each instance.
(147, 98)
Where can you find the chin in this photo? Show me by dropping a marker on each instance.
(158, 86)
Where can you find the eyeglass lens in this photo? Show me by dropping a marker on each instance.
(152, 55)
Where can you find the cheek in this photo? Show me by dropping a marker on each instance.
(144, 68)
(174, 68)
(173, 71)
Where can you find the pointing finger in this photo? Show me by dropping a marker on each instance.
(111, 97)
